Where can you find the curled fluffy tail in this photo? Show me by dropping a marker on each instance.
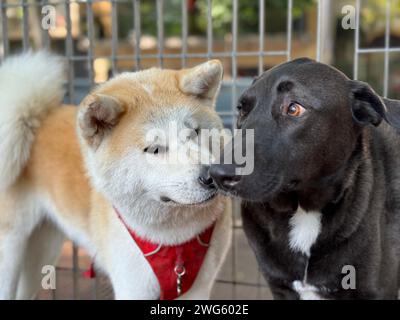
(30, 85)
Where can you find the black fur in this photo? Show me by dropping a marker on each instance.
(341, 158)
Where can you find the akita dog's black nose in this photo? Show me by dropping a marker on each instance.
(205, 178)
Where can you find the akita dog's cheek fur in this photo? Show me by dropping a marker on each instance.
(134, 171)
(114, 129)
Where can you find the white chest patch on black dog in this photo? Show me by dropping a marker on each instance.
(305, 228)
(306, 291)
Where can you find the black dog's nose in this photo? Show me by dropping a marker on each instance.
(224, 175)
(205, 178)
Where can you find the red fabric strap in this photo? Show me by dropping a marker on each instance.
(89, 273)
(167, 261)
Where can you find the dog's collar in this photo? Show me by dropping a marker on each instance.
(176, 267)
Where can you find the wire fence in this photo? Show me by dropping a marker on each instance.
(240, 277)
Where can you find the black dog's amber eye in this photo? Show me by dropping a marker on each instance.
(294, 110)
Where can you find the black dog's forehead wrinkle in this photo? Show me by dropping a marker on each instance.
(285, 86)
(278, 78)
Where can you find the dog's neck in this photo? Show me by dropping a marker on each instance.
(343, 204)
(169, 225)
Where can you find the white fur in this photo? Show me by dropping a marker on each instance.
(122, 181)
(43, 248)
(148, 88)
(305, 228)
(30, 84)
(306, 291)
(14, 242)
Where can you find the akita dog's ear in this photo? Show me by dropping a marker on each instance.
(97, 115)
(203, 81)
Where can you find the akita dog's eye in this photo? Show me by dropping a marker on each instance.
(194, 133)
(158, 149)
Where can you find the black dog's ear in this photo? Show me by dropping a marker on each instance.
(366, 106)
(393, 112)
(369, 107)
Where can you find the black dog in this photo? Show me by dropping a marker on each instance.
(324, 197)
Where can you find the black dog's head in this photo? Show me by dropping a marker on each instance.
(307, 118)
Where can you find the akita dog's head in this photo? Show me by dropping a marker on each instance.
(125, 130)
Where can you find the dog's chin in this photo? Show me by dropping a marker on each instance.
(206, 201)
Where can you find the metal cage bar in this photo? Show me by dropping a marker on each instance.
(235, 5)
(45, 33)
(137, 28)
(25, 25)
(387, 50)
(261, 35)
(387, 46)
(289, 30)
(114, 37)
(160, 32)
(4, 28)
(185, 28)
(357, 40)
(90, 35)
(209, 30)
(69, 53)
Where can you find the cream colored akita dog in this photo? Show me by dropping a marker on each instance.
(86, 171)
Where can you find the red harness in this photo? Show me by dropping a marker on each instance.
(176, 267)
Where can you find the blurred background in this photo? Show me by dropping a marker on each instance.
(102, 38)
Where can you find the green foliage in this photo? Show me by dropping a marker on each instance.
(373, 14)
(275, 16)
(248, 15)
